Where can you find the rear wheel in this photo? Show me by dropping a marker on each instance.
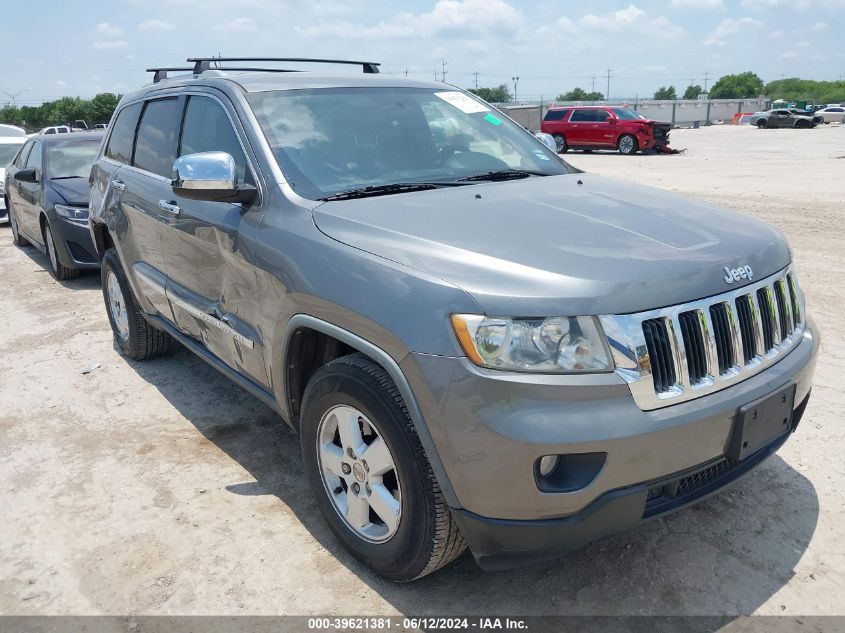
(627, 144)
(59, 270)
(135, 337)
(560, 143)
(17, 239)
(370, 475)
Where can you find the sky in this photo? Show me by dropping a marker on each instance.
(60, 47)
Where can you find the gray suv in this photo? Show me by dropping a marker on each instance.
(478, 344)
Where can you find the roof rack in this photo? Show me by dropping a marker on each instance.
(204, 63)
(161, 73)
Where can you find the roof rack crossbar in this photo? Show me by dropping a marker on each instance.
(205, 63)
(161, 73)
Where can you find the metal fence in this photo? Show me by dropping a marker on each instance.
(680, 113)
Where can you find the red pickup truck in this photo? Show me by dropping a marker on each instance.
(604, 127)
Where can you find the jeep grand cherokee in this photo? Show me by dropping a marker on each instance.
(479, 345)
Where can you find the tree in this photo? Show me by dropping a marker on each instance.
(793, 88)
(665, 93)
(65, 110)
(579, 94)
(499, 94)
(741, 86)
(693, 91)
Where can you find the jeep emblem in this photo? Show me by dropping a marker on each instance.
(735, 274)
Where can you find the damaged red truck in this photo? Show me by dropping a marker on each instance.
(605, 127)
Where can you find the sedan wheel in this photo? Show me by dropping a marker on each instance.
(762, 123)
(60, 271)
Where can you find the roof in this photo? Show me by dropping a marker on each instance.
(70, 137)
(13, 140)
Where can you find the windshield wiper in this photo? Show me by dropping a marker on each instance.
(504, 174)
(383, 190)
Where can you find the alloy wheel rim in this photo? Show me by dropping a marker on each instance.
(627, 144)
(559, 143)
(359, 474)
(51, 248)
(117, 307)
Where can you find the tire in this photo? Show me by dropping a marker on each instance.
(17, 238)
(424, 536)
(135, 337)
(803, 125)
(560, 143)
(59, 270)
(762, 124)
(627, 144)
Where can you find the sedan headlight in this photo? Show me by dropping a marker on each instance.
(79, 215)
(555, 345)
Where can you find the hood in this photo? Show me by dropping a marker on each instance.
(551, 246)
(74, 191)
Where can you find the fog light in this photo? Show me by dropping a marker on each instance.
(548, 464)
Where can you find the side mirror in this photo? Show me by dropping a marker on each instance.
(610, 120)
(547, 140)
(26, 175)
(209, 176)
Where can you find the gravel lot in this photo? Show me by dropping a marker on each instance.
(161, 488)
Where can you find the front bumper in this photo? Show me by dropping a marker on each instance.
(490, 429)
(74, 245)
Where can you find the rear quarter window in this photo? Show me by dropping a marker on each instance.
(123, 134)
(555, 115)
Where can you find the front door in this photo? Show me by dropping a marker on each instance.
(211, 283)
(602, 131)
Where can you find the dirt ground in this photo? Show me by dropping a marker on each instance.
(161, 488)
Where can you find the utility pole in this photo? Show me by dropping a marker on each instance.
(706, 79)
(443, 71)
(476, 80)
(406, 71)
(515, 82)
(607, 94)
(14, 96)
(593, 88)
(782, 75)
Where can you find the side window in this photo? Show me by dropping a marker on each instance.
(123, 134)
(207, 128)
(155, 148)
(20, 161)
(33, 161)
(581, 116)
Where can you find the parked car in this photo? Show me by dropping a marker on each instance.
(832, 114)
(816, 118)
(11, 130)
(477, 343)
(9, 146)
(604, 127)
(782, 118)
(101, 126)
(47, 198)
(56, 129)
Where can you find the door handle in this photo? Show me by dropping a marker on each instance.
(118, 184)
(170, 207)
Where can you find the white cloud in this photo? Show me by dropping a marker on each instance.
(108, 30)
(237, 25)
(61, 84)
(484, 18)
(705, 5)
(788, 55)
(730, 27)
(797, 5)
(111, 46)
(818, 26)
(628, 21)
(156, 25)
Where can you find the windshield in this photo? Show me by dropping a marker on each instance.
(71, 159)
(333, 140)
(627, 115)
(8, 151)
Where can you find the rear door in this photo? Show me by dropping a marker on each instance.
(579, 128)
(18, 163)
(141, 185)
(211, 284)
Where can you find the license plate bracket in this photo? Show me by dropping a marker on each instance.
(761, 422)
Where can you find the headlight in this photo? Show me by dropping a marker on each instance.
(79, 215)
(555, 345)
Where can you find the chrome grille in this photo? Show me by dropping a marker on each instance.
(678, 353)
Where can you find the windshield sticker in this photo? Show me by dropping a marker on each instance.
(462, 102)
(493, 119)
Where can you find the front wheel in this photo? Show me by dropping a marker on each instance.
(135, 337)
(627, 144)
(560, 143)
(370, 475)
(762, 124)
(59, 270)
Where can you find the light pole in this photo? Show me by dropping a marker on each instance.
(14, 96)
(515, 82)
